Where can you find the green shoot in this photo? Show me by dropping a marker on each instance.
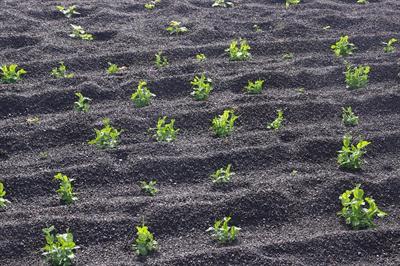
(356, 77)
(350, 156)
(277, 123)
(59, 248)
(223, 125)
(80, 33)
(142, 96)
(152, 4)
(254, 87)
(107, 137)
(222, 176)
(292, 2)
(222, 3)
(68, 12)
(343, 47)
(34, 120)
(161, 60)
(165, 131)
(237, 53)
(362, 2)
(66, 190)
(222, 232)
(201, 87)
(82, 104)
(355, 211)
(176, 28)
(61, 72)
(390, 48)
(287, 56)
(3, 201)
(348, 117)
(201, 57)
(149, 188)
(9, 74)
(114, 68)
(144, 243)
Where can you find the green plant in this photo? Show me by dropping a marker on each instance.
(277, 123)
(152, 4)
(257, 28)
(390, 48)
(343, 47)
(176, 28)
(145, 242)
(149, 187)
(350, 155)
(142, 96)
(355, 210)
(161, 60)
(223, 125)
(66, 190)
(114, 68)
(82, 104)
(288, 56)
(201, 57)
(3, 201)
(348, 117)
(222, 3)
(107, 137)
(201, 87)
(9, 74)
(80, 33)
(61, 72)
(239, 53)
(165, 131)
(35, 120)
(356, 77)
(224, 233)
(362, 1)
(68, 12)
(292, 2)
(222, 175)
(255, 87)
(59, 248)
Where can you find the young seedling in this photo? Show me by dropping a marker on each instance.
(292, 2)
(66, 190)
(356, 77)
(9, 74)
(3, 201)
(68, 12)
(355, 211)
(222, 3)
(145, 242)
(149, 188)
(222, 175)
(176, 28)
(239, 53)
(142, 96)
(152, 4)
(389, 46)
(224, 233)
(80, 33)
(201, 57)
(82, 104)
(107, 137)
(343, 47)
(254, 87)
(350, 156)
(161, 60)
(277, 123)
(257, 28)
(348, 117)
(362, 2)
(201, 87)
(61, 72)
(287, 56)
(114, 68)
(165, 131)
(34, 120)
(223, 125)
(59, 248)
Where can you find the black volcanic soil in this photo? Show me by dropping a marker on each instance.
(285, 219)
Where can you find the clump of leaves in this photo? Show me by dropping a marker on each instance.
(61, 72)
(152, 4)
(176, 28)
(288, 56)
(356, 77)
(202, 86)
(80, 33)
(82, 104)
(239, 53)
(68, 11)
(222, 3)
(343, 47)
(224, 233)
(59, 248)
(149, 187)
(389, 46)
(161, 60)
(348, 117)
(107, 137)
(10, 74)
(201, 57)
(292, 2)
(223, 125)
(114, 68)
(142, 96)
(362, 1)
(355, 210)
(66, 190)
(222, 175)
(277, 123)
(350, 156)
(165, 131)
(145, 242)
(254, 87)
(3, 201)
